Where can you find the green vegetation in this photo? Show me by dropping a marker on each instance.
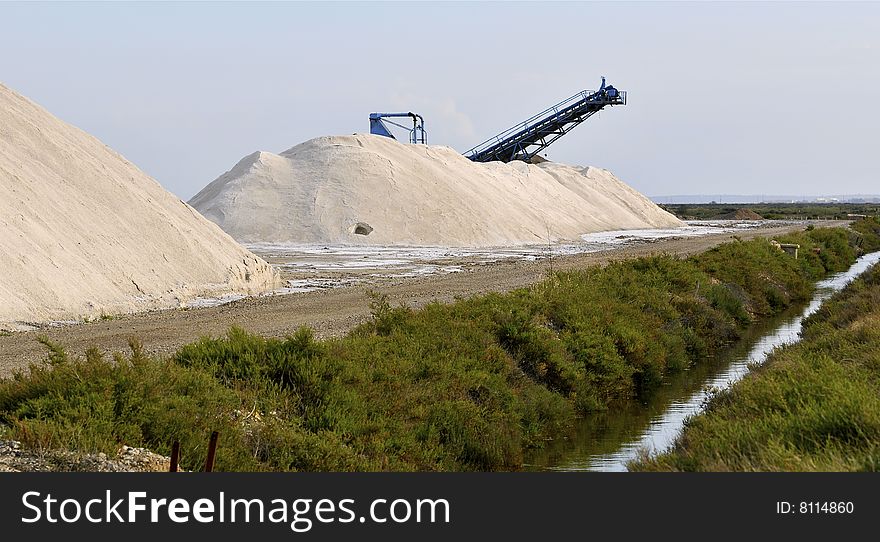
(813, 406)
(774, 211)
(103, 317)
(464, 386)
(870, 234)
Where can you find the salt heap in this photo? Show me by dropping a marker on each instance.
(368, 189)
(83, 232)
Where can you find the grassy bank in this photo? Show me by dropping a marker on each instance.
(813, 406)
(469, 385)
(774, 211)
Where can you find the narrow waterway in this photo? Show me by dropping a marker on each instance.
(609, 440)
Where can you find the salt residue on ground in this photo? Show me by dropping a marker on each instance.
(327, 189)
(83, 232)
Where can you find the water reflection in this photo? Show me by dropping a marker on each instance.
(608, 441)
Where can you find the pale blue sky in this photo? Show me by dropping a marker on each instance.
(734, 98)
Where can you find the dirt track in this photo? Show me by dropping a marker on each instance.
(329, 312)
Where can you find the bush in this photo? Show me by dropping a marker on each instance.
(868, 230)
(813, 406)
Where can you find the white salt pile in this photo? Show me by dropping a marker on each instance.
(83, 232)
(367, 189)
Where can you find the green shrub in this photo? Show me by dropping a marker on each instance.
(813, 406)
(868, 230)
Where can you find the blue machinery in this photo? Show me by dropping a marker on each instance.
(526, 139)
(417, 133)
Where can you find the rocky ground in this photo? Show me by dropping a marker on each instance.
(15, 459)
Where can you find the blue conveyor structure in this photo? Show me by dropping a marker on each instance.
(528, 138)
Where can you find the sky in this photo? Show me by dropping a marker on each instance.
(727, 98)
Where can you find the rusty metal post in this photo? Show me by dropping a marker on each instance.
(175, 456)
(212, 451)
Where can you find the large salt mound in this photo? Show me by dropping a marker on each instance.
(84, 232)
(321, 191)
